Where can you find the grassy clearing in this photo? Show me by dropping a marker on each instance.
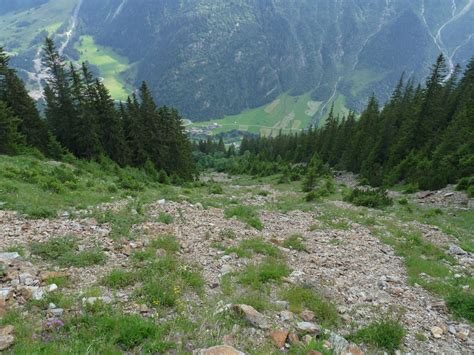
(110, 64)
(41, 189)
(245, 214)
(63, 251)
(286, 113)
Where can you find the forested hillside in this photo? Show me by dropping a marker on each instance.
(82, 119)
(424, 135)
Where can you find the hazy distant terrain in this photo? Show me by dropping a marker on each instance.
(212, 58)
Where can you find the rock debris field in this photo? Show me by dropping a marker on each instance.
(351, 267)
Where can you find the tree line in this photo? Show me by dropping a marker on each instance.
(82, 118)
(424, 135)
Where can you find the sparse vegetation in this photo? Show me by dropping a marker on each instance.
(304, 297)
(386, 333)
(269, 270)
(245, 214)
(257, 245)
(63, 251)
(295, 242)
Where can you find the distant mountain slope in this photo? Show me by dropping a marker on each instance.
(212, 58)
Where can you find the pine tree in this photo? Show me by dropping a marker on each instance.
(10, 139)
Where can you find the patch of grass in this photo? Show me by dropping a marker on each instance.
(227, 233)
(270, 270)
(122, 221)
(313, 347)
(258, 300)
(59, 299)
(420, 337)
(304, 297)
(117, 279)
(369, 198)
(215, 189)
(386, 333)
(63, 251)
(165, 218)
(461, 304)
(248, 247)
(164, 281)
(166, 242)
(21, 250)
(295, 242)
(245, 214)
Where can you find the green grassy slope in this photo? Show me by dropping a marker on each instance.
(110, 64)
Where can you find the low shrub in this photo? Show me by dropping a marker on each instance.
(369, 198)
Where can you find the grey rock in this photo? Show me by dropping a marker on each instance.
(308, 327)
(455, 250)
(339, 344)
(6, 257)
(57, 312)
(252, 316)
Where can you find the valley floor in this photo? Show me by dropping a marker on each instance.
(167, 294)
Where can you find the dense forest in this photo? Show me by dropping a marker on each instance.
(424, 136)
(81, 118)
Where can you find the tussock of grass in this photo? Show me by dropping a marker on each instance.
(117, 279)
(295, 242)
(245, 214)
(248, 247)
(386, 334)
(303, 297)
(270, 270)
(165, 218)
(63, 252)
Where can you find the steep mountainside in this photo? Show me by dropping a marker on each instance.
(213, 58)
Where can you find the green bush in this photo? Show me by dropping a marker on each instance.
(369, 198)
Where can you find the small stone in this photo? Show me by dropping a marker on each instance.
(314, 352)
(228, 339)
(307, 327)
(455, 250)
(307, 315)
(26, 279)
(286, 316)
(199, 206)
(354, 350)
(226, 269)
(161, 202)
(38, 294)
(52, 287)
(6, 337)
(449, 194)
(463, 334)
(452, 329)
(160, 253)
(7, 330)
(293, 339)
(57, 312)
(219, 350)
(52, 306)
(252, 315)
(339, 344)
(7, 257)
(5, 293)
(279, 337)
(3, 307)
(437, 332)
